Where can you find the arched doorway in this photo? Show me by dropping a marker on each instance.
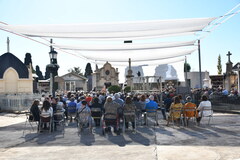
(11, 81)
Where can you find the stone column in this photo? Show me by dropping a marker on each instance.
(228, 72)
(129, 75)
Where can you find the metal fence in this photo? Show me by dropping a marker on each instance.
(19, 102)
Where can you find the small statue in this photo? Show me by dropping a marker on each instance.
(139, 74)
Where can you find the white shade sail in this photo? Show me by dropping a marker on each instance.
(136, 56)
(120, 31)
(145, 63)
(124, 47)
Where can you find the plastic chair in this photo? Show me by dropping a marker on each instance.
(108, 121)
(95, 112)
(190, 113)
(129, 114)
(152, 113)
(72, 112)
(139, 116)
(176, 114)
(59, 119)
(207, 112)
(29, 120)
(45, 119)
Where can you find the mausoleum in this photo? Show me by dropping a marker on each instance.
(71, 82)
(15, 77)
(105, 77)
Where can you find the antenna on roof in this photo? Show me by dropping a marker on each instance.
(8, 42)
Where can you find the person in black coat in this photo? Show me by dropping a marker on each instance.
(96, 104)
(35, 110)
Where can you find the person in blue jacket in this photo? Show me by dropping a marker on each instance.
(151, 105)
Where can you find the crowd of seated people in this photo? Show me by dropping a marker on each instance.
(100, 104)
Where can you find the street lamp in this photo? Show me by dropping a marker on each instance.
(53, 68)
(53, 55)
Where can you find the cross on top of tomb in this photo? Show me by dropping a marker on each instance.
(229, 54)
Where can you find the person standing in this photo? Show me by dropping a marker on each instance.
(167, 102)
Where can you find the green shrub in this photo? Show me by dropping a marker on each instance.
(127, 89)
(114, 89)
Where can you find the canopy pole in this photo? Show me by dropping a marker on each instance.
(185, 68)
(199, 61)
(161, 97)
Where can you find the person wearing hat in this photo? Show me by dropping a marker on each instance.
(189, 110)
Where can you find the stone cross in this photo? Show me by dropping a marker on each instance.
(229, 54)
(129, 61)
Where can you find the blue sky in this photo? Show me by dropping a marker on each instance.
(225, 38)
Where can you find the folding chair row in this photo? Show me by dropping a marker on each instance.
(185, 114)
